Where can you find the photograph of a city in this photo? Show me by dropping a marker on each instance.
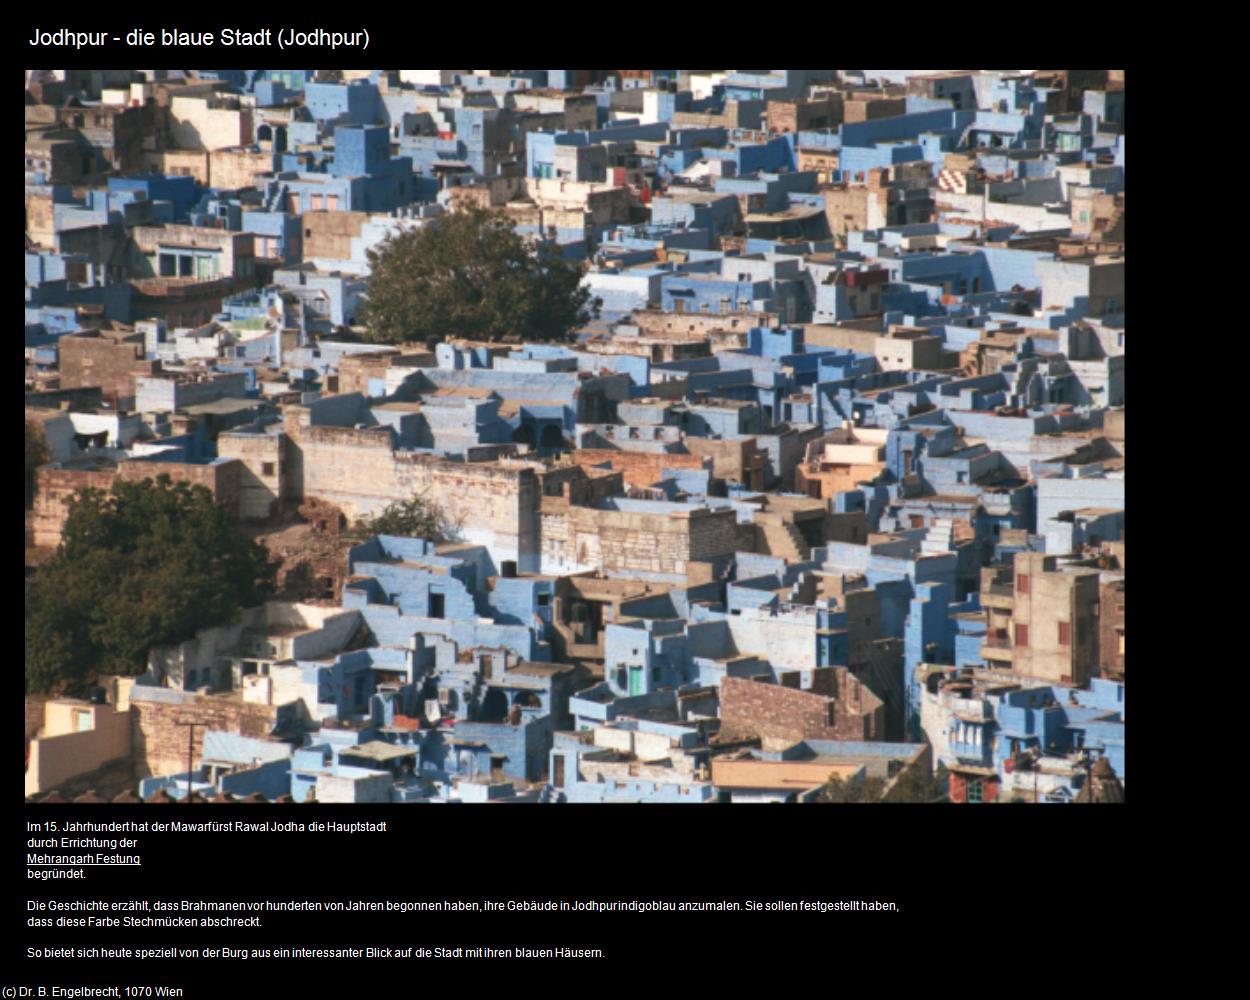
(574, 436)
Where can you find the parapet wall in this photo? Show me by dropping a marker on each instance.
(639, 468)
(359, 471)
(577, 539)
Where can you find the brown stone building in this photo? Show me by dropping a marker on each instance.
(330, 234)
(737, 460)
(116, 131)
(824, 111)
(863, 107)
(839, 461)
(722, 331)
(159, 735)
(357, 370)
(57, 482)
(578, 538)
(824, 161)
(639, 468)
(110, 359)
(58, 157)
(835, 707)
(1111, 630)
(1041, 621)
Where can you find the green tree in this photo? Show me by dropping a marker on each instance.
(916, 784)
(37, 454)
(913, 785)
(470, 274)
(148, 563)
(415, 518)
(838, 790)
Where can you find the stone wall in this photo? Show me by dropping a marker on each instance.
(39, 219)
(639, 468)
(577, 539)
(692, 326)
(221, 479)
(179, 162)
(330, 234)
(838, 707)
(355, 370)
(160, 743)
(1111, 630)
(103, 361)
(736, 461)
(846, 208)
(55, 487)
(232, 169)
(261, 468)
(492, 504)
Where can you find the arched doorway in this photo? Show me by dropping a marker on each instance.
(494, 706)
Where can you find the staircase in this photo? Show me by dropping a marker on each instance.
(783, 539)
(940, 537)
(1114, 232)
(276, 200)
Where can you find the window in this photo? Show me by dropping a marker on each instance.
(1022, 635)
(1065, 634)
(266, 468)
(543, 600)
(437, 602)
(1022, 583)
(974, 790)
(82, 720)
(1120, 637)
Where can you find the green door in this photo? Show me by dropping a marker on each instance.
(635, 681)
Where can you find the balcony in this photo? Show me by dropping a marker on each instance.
(998, 595)
(997, 647)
